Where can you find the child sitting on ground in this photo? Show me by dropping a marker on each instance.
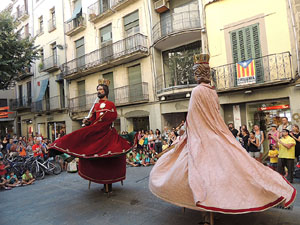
(12, 180)
(27, 178)
(3, 183)
(273, 154)
(165, 145)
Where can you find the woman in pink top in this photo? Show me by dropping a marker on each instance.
(273, 132)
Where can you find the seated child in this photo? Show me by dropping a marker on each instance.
(3, 183)
(165, 145)
(12, 180)
(273, 154)
(3, 168)
(131, 160)
(27, 178)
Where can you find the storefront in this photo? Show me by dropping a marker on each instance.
(171, 120)
(267, 113)
(55, 128)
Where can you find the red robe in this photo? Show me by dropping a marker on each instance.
(101, 151)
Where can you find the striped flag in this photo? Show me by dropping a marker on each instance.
(246, 72)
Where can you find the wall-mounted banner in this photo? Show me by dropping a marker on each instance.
(245, 72)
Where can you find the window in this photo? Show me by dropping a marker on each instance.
(135, 83)
(104, 5)
(131, 23)
(110, 77)
(53, 18)
(106, 34)
(41, 25)
(26, 30)
(81, 93)
(80, 51)
(29, 92)
(245, 44)
(54, 53)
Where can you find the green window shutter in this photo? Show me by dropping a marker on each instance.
(81, 94)
(131, 20)
(106, 33)
(135, 83)
(245, 45)
(80, 51)
(134, 74)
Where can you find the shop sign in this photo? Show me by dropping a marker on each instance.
(274, 107)
(245, 72)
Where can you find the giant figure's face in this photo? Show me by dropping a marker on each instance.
(102, 91)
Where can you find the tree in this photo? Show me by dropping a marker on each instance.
(16, 54)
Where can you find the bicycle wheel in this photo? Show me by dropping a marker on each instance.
(37, 172)
(55, 168)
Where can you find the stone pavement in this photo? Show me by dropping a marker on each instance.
(65, 199)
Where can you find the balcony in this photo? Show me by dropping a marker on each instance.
(47, 105)
(82, 103)
(177, 28)
(269, 70)
(96, 12)
(21, 14)
(115, 54)
(20, 104)
(51, 25)
(170, 83)
(131, 94)
(50, 64)
(75, 26)
(27, 72)
(126, 95)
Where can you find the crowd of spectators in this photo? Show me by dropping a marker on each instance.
(283, 143)
(151, 143)
(11, 147)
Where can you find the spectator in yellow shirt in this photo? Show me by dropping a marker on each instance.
(286, 155)
(273, 154)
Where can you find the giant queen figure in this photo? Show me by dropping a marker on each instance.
(209, 170)
(101, 151)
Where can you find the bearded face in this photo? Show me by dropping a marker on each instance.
(102, 91)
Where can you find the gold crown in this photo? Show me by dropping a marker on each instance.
(201, 58)
(104, 81)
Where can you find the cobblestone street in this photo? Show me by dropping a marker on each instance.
(65, 199)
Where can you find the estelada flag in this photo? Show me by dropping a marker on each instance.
(246, 72)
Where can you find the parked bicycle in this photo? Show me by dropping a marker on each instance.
(40, 167)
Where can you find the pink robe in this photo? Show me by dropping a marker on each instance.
(209, 170)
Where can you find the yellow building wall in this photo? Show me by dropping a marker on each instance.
(222, 16)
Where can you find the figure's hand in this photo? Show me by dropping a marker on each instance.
(86, 122)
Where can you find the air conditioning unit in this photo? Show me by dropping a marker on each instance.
(161, 6)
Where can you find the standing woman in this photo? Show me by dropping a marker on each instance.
(151, 142)
(158, 144)
(245, 138)
(296, 135)
(4, 143)
(253, 144)
(260, 136)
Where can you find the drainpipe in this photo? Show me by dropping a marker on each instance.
(295, 36)
(66, 84)
(203, 27)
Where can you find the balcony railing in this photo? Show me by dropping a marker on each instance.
(50, 64)
(82, 103)
(176, 22)
(76, 25)
(49, 104)
(130, 94)
(97, 12)
(270, 69)
(23, 103)
(116, 51)
(27, 72)
(51, 25)
(21, 14)
(170, 81)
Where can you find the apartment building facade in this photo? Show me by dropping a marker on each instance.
(255, 60)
